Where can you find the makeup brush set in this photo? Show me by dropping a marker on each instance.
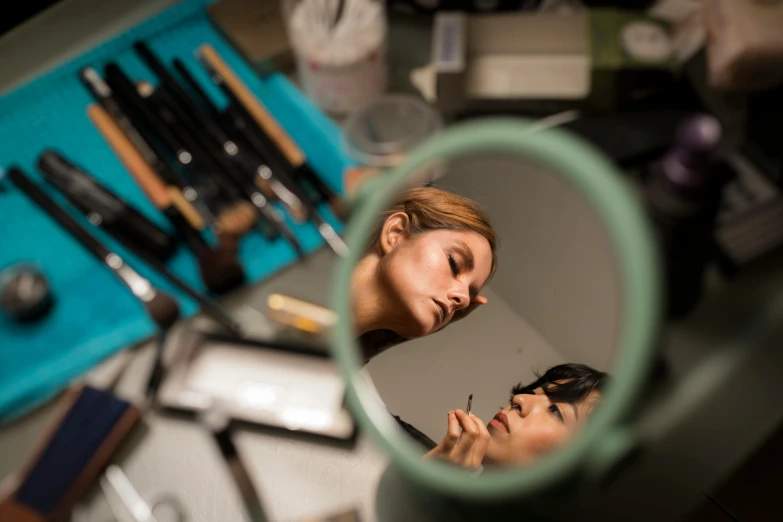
(175, 176)
(215, 175)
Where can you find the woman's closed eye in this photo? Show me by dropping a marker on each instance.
(454, 266)
(555, 410)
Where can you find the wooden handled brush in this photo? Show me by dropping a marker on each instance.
(281, 138)
(220, 269)
(161, 195)
(270, 126)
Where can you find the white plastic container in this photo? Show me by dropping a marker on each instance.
(340, 49)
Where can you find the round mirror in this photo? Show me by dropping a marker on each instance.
(523, 277)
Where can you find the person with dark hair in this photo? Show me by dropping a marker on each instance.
(541, 416)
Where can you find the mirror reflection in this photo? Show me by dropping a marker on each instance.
(486, 307)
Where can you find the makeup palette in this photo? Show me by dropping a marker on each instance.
(286, 387)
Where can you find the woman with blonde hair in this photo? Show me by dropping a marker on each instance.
(427, 261)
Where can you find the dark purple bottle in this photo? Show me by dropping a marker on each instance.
(683, 194)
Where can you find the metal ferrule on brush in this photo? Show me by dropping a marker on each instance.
(105, 96)
(331, 236)
(282, 193)
(137, 284)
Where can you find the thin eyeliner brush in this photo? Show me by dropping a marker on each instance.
(467, 411)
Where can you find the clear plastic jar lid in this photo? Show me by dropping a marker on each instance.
(381, 133)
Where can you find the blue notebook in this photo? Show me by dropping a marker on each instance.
(95, 315)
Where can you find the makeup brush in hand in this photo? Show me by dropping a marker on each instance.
(161, 307)
(220, 269)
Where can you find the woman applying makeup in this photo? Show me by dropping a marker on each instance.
(430, 256)
(540, 417)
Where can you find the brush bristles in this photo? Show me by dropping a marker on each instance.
(163, 309)
(340, 209)
(239, 219)
(220, 269)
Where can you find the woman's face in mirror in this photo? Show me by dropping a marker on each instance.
(533, 425)
(430, 276)
(541, 417)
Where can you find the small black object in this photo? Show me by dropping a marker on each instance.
(103, 208)
(683, 193)
(25, 294)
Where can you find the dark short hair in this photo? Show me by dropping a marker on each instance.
(570, 383)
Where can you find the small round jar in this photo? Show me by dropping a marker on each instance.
(25, 294)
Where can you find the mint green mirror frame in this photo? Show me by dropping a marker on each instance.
(605, 439)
